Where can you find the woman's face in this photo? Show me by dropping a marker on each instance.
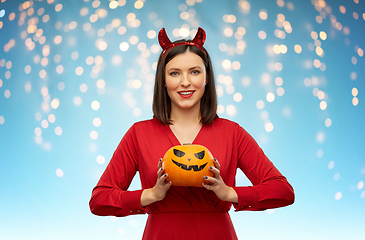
(185, 78)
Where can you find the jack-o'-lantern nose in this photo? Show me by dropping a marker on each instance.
(189, 159)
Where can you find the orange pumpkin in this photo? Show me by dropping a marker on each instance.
(186, 165)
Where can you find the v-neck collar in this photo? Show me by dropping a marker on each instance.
(175, 141)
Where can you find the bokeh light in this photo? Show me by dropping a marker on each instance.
(59, 173)
(100, 159)
(58, 131)
(75, 75)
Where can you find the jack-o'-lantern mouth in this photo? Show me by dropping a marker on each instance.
(195, 168)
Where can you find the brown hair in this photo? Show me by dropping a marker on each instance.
(161, 105)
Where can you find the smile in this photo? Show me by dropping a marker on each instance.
(195, 168)
(186, 94)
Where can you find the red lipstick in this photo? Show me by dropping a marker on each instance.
(186, 94)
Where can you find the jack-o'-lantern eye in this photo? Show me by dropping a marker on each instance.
(200, 155)
(178, 153)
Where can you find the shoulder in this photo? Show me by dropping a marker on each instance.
(148, 126)
(225, 123)
(147, 123)
(229, 128)
(144, 130)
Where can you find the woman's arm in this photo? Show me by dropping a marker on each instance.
(218, 186)
(270, 188)
(158, 192)
(110, 196)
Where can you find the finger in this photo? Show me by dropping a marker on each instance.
(207, 186)
(163, 178)
(159, 164)
(211, 180)
(216, 164)
(160, 172)
(215, 171)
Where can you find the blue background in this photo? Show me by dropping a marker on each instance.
(49, 152)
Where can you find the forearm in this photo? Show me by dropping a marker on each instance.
(114, 202)
(148, 197)
(158, 192)
(231, 195)
(272, 194)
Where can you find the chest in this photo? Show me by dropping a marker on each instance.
(186, 134)
(152, 149)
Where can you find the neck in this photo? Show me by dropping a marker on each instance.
(185, 117)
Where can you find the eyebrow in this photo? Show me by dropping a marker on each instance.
(174, 69)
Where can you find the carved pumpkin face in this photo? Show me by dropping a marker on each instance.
(186, 165)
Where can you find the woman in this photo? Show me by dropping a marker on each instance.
(184, 108)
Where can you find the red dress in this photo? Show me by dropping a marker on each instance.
(188, 212)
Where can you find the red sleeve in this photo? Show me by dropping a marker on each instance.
(270, 188)
(110, 196)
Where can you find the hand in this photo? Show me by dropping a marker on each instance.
(158, 192)
(217, 185)
(162, 186)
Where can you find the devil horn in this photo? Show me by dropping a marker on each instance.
(199, 38)
(163, 39)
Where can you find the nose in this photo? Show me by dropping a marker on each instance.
(185, 81)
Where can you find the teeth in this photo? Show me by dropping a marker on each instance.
(185, 93)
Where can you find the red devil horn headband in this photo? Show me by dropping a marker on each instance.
(166, 44)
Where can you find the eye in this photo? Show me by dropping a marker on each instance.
(178, 153)
(200, 155)
(174, 73)
(195, 72)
